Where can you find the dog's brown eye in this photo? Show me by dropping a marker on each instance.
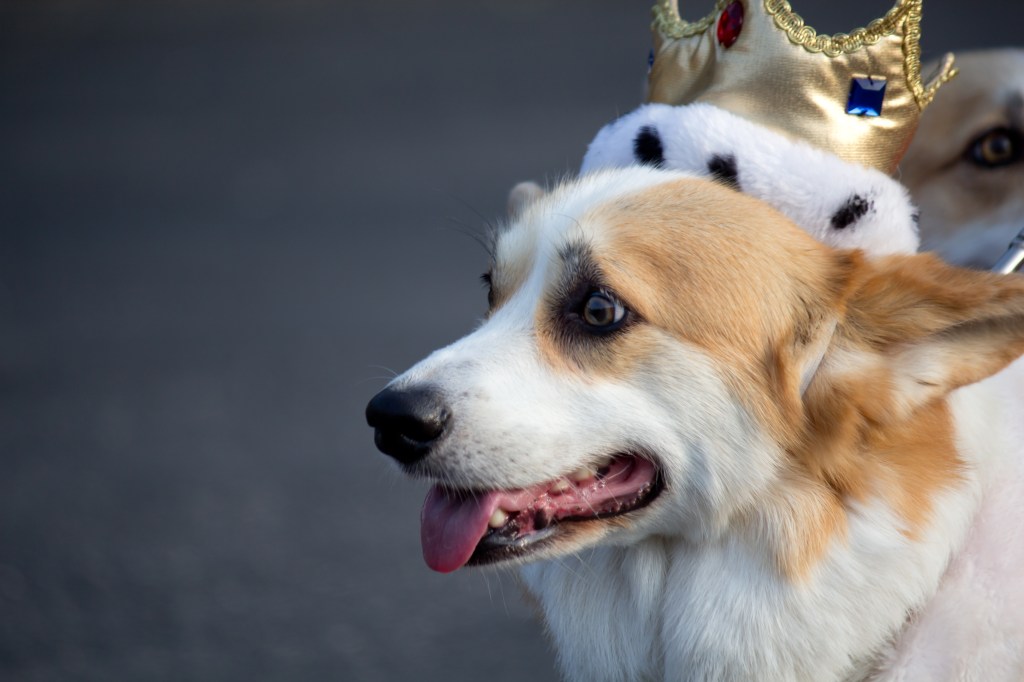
(997, 147)
(601, 310)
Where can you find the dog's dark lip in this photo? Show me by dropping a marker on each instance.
(506, 544)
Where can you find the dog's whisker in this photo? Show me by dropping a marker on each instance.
(578, 227)
(492, 229)
(561, 562)
(387, 369)
(485, 242)
(487, 584)
(360, 382)
(585, 565)
(447, 481)
(611, 477)
(591, 507)
(501, 590)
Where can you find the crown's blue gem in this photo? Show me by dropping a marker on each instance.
(866, 95)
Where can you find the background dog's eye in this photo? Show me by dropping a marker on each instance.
(601, 310)
(997, 147)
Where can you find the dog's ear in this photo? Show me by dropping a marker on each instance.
(923, 328)
(521, 196)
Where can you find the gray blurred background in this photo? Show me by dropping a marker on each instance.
(222, 226)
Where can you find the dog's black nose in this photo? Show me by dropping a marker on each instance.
(407, 422)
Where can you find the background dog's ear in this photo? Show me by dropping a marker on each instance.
(934, 327)
(521, 196)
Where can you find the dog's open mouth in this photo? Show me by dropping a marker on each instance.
(462, 527)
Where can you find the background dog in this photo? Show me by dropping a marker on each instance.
(965, 166)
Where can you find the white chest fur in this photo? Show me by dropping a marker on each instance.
(878, 606)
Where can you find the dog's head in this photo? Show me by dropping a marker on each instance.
(965, 167)
(661, 353)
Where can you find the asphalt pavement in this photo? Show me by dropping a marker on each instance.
(223, 226)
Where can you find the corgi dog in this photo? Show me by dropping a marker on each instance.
(965, 166)
(718, 449)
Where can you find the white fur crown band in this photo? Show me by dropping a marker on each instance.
(839, 203)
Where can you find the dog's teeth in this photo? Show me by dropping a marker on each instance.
(582, 474)
(560, 486)
(498, 518)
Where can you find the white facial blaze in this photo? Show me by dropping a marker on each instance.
(516, 421)
(519, 420)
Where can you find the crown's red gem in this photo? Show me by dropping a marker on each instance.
(730, 24)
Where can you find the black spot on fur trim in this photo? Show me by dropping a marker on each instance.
(916, 217)
(723, 169)
(852, 211)
(647, 147)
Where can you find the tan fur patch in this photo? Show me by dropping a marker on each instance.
(915, 329)
(678, 254)
(706, 266)
(801, 518)
(906, 462)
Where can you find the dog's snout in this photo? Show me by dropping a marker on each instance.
(407, 422)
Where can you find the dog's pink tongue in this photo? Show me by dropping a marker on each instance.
(451, 527)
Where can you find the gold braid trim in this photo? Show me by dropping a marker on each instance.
(668, 22)
(842, 43)
(912, 56)
(912, 60)
(945, 74)
(905, 11)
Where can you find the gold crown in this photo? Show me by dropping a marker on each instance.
(858, 95)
